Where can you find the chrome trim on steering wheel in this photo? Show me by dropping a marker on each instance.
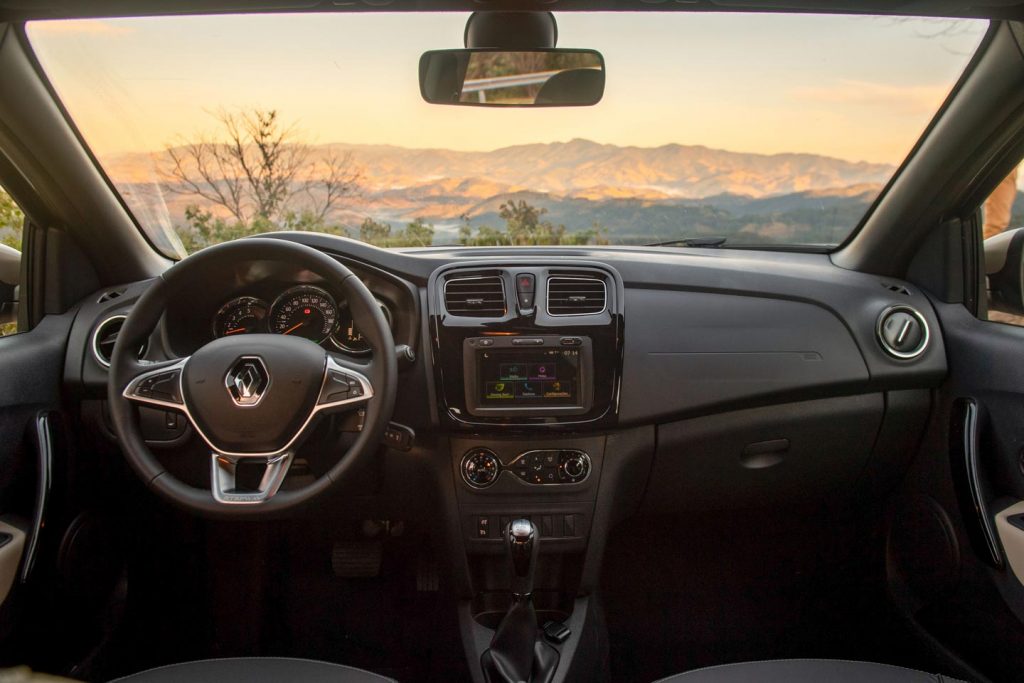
(224, 463)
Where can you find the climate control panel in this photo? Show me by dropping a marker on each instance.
(481, 467)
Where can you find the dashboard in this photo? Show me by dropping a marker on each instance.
(688, 378)
(650, 335)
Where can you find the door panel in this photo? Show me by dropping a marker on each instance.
(31, 367)
(951, 575)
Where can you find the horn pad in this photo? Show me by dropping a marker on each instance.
(253, 393)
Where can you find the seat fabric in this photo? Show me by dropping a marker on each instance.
(255, 670)
(799, 670)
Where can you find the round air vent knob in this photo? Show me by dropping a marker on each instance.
(902, 332)
(480, 468)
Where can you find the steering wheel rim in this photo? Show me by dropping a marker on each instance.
(378, 397)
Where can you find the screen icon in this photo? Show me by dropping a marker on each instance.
(542, 371)
(500, 390)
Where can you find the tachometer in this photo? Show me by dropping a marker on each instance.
(348, 337)
(243, 315)
(304, 311)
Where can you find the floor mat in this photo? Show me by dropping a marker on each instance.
(684, 594)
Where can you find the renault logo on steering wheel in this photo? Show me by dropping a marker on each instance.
(247, 381)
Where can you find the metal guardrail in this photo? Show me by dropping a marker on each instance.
(480, 86)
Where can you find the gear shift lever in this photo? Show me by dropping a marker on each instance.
(517, 654)
(522, 543)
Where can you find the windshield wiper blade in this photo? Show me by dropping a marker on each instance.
(691, 242)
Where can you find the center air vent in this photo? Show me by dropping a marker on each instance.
(576, 295)
(480, 296)
(104, 338)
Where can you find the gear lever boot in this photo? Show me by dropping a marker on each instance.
(517, 653)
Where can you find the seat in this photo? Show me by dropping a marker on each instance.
(255, 670)
(798, 670)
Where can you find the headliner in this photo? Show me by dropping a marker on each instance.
(23, 10)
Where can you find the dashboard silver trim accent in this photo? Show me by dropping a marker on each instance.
(462, 468)
(277, 461)
(913, 312)
(94, 341)
(584, 454)
(291, 291)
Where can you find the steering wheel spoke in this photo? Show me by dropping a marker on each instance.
(224, 477)
(158, 385)
(346, 384)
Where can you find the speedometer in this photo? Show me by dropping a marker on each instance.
(304, 311)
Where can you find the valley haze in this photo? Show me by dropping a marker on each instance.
(635, 194)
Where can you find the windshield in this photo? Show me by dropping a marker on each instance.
(760, 129)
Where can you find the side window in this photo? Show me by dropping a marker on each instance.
(11, 221)
(1002, 222)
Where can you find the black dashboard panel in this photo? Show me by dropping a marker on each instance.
(687, 331)
(692, 351)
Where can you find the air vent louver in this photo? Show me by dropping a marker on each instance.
(576, 295)
(479, 297)
(104, 338)
(902, 332)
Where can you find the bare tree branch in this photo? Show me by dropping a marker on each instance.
(259, 168)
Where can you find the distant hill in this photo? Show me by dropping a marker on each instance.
(636, 193)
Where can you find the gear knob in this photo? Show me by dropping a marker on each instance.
(523, 543)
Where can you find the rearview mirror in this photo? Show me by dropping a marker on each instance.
(1004, 266)
(520, 78)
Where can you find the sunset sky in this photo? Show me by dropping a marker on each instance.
(854, 88)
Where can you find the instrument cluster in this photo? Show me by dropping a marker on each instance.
(303, 310)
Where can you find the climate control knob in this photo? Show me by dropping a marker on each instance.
(480, 468)
(575, 466)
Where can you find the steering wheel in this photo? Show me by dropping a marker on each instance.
(251, 398)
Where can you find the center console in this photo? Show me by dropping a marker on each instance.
(527, 345)
(527, 363)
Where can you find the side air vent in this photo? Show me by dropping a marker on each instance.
(480, 296)
(576, 295)
(902, 332)
(104, 338)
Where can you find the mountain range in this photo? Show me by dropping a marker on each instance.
(636, 193)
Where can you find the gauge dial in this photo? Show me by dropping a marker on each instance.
(348, 337)
(304, 311)
(243, 315)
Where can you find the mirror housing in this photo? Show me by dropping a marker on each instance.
(10, 275)
(1004, 266)
(489, 77)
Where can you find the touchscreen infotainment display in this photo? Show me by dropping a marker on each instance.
(535, 377)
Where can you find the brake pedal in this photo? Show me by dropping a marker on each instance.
(357, 559)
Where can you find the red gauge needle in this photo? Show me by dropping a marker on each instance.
(293, 328)
(236, 331)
